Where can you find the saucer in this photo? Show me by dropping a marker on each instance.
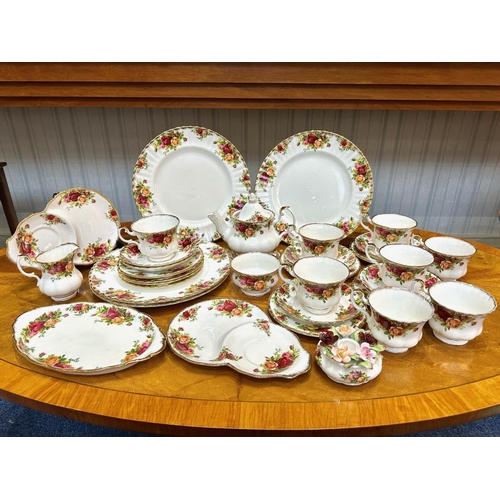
(297, 326)
(286, 298)
(291, 254)
(131, 255)
(358, 246)
(369, 279)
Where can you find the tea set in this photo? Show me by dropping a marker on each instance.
(171, 257)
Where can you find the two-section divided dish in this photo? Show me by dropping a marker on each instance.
(190, 172)
(322, 176)
(87, 338)
(238, 334)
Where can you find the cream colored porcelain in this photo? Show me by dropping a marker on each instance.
(59, 279)
(251, 229)
(389, 228)
(255, 273)
(156, 236)
(402, 265)
(318, 282)
(451, 256)
(395, 316)
(317, 239)
(459, 311)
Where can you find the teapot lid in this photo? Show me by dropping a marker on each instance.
(252, 208)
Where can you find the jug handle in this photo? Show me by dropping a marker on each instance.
(32, 264)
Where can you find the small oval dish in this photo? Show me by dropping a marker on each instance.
(87, 338)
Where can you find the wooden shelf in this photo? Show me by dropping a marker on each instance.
(460, 86)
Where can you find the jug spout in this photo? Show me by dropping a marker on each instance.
(220, 224)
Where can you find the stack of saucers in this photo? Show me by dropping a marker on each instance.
(136, 269)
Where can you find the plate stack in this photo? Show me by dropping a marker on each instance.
(136, 269)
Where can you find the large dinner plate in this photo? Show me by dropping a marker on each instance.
(238, 334)
(87, 338)
(37, 233)
(190, 172)
(321, 175)
(107, 285)
(93, 217)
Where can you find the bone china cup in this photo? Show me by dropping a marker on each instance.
(395, 316)
(390, 228)
(255, 272)
(318, 282)
(451, 256)
(318, 239)
(156, 236)
(459, 311)
(401, 264)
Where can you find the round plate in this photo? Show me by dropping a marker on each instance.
(39, 232)
(322, 176)
(190, 172)
(94, 219)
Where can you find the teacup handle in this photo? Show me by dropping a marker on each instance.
(363, 222)
(375, 256)
(415, 281)
(32, 264)
(416, 240)
(289, 270)
(358, 293)
(125, 240)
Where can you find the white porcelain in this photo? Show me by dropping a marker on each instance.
(251, 229)
(255, 273)
(349, 356)
(451, 256)
(93, 217)
(238, 334)
(59, 279)
(389, 228)
(289, 301)
(87, 338)
(36, 233)
(401, 264)
(318, 282)
(358, 247)
(317, 239)
(107, 285)
(132, 256)
(369, 279)
(190, 171)
(321, 176)
(156, 236)
(302, 327)
(293, 253)
(395, 316)
(459, 311)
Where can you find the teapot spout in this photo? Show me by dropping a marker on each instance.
(220, 224)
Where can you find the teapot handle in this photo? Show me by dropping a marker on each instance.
(33, 264)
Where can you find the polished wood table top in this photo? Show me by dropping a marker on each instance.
(430, 386)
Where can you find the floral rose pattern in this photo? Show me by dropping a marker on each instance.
(255, 283)
(226, 307)
(26, 242)
(225, 353)
(51, 219)
(187, 237)
(58, 361)
(390, 236)
(183, 343)
(169, 142)
(236, 204)
(348, 226)
(451, 320)
(267, 174)
(189, 314)
(143, 197)
(60, 269)
(318, 247)
(393, 328)
(314, 140)
(227, 152)
(279, 361)
(160, 240)
(113, 315)
(77, 198)
(79, 308)
(95, 250)
(447, 263)
(141, 163)
(201, 132)
(138, 349)
(40, 325)
(344, 144)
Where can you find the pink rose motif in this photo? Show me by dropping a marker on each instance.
(311, 139)
(35, 327)
(144, 347)
(73, 196)
(283, 362)
(166, 140)
(227, 149)
(111, 314)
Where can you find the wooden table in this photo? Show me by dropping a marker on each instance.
(432, 385)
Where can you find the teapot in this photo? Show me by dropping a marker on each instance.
(60, 279)
(253, 228)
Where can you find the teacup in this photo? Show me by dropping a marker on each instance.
(390, 228)
(318, 282)
(318, 239)
(400, 264)
(255, 272)
(395, 316)
(459, 311)
(451, 256)
(156, 236)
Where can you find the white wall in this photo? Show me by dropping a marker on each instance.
(440, 167)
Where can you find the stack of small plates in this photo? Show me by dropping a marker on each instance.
(136, 269)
